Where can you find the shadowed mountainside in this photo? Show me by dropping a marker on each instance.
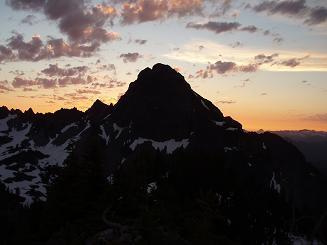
(162, 166)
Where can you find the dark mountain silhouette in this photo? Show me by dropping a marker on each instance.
(162, 166)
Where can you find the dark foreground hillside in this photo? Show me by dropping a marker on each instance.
(162, 166)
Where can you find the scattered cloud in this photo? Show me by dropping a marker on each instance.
(317, 117)
(26, 4)
(17, 49)
(139, 11)
(83, 24)
(21, 82)
(222, 67)
(217, 27)
(140, 41)
(236, 44)
(293, 8)
(265, 59)
(88, 91)
(54, 70)
(4, 86)
(75, 96)
(293, 62)
(220, 27)
(225, 67)
(29, 19)
(225, 102)
(130, 57)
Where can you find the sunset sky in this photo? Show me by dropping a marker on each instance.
(262, 62)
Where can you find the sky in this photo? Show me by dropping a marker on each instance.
(262, 62)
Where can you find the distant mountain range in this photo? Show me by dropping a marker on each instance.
(313, 144)
(162, 166)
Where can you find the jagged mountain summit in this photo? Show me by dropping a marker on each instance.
(161, 145)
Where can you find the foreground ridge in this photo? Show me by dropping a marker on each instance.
(163, 161)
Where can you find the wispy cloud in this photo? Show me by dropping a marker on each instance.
(243, 56)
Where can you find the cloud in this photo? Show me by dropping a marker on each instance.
(28, 89)
(236, 44)
(54, 70)
(316, 61)
(26, 4)
(140, 41)
(264, 59)
(293, 62)
(322, 117)
(108, 67)
(130, 57)
(222, 67)
(19, 82)
(4, 87)
(65, 81)
(82, 23)
(139, 11)
(75, 96)
(223, 7)
(46, 83)
(217, 27)
(29, 19)
(220, 27)
(88, 91)
(250, 29)
(293, 8)
(109, 83)
(317, 15)
(17, 49)
(288, 7)
(225, 102)
(6, 53)
(248, 68)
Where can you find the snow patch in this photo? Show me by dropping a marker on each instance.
(24, 186)
(117, 129)
(273, 184)
(110, 179)
(17, 138)
(64, 129)
(222, 123)
(264, 146)
(104, 135)
(151, 187)
(4, 122)
(232, 129)
(298, 240)
(204, 105)
(227, 148)
(170, 145)
(57, 154)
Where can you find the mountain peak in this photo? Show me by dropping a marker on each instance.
(162, 76)
(162, 105)
(29, 112)
(98, 109)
